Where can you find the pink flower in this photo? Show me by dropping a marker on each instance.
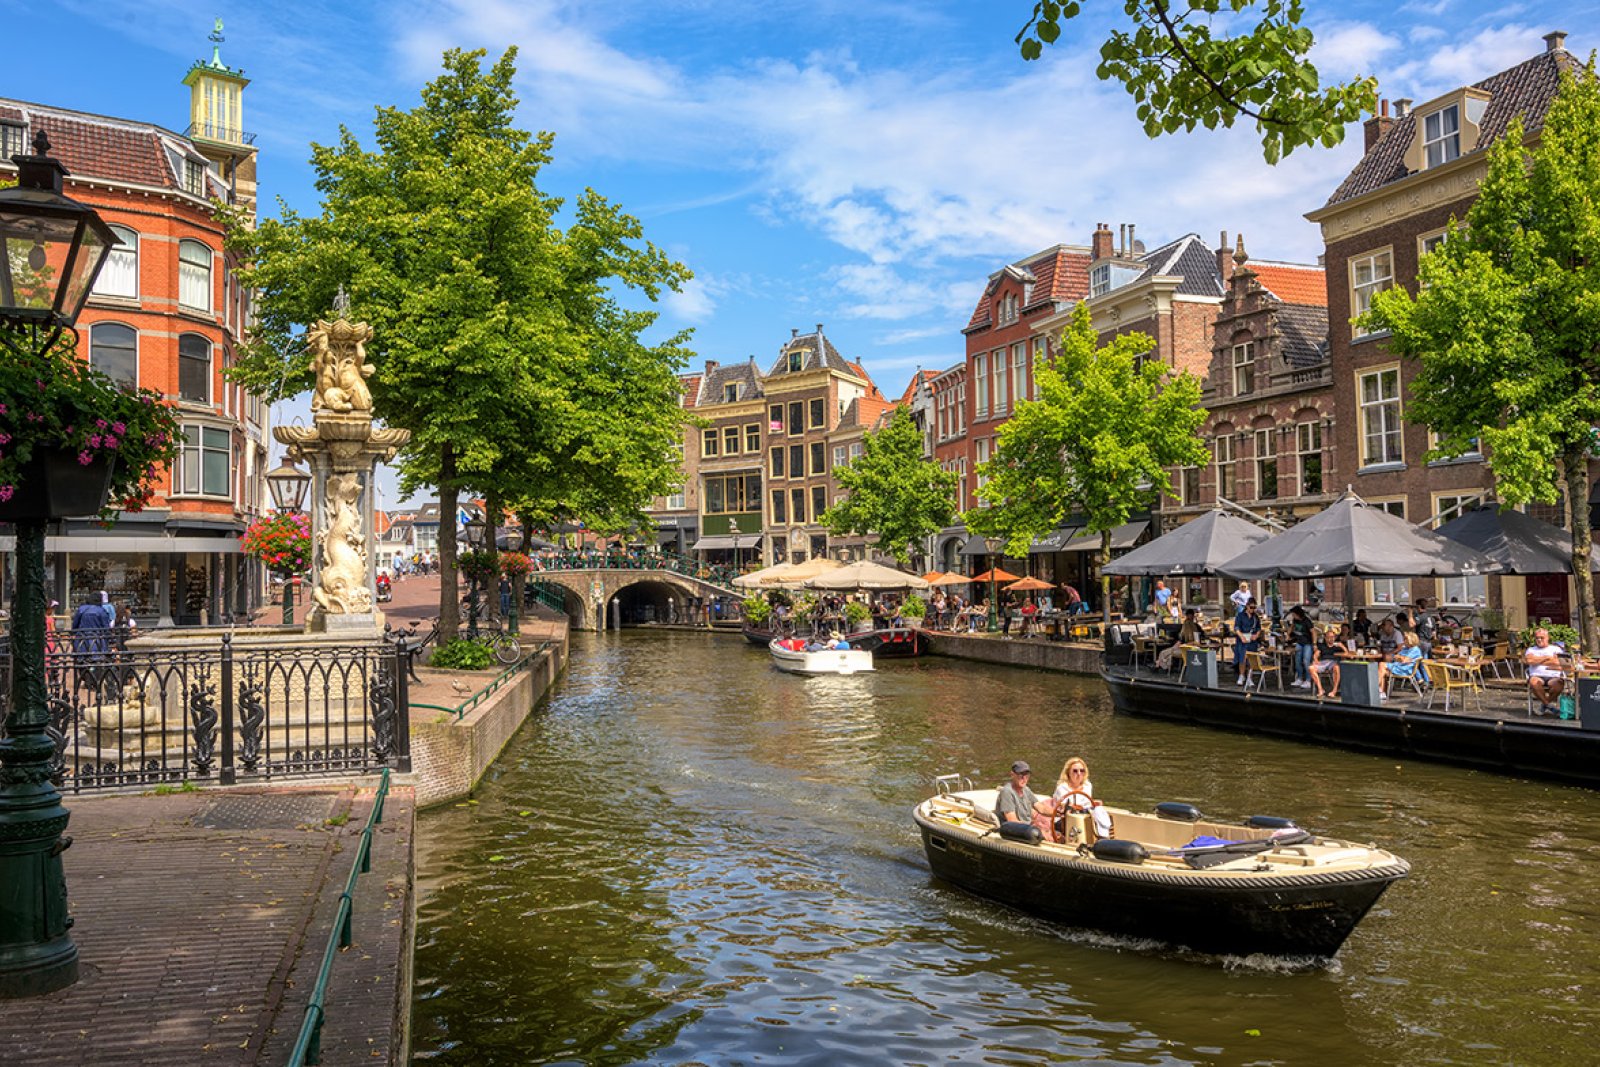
(6, 491)
(119, 428)
(111, 442)
(94, 440)
(99, 424)
(84, 459)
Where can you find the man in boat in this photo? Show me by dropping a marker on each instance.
(1014, 801)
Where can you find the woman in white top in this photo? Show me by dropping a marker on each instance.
(1075, 793)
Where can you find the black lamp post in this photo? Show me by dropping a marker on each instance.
(474, 528)
(51, 249)
(733, 529)
(994, 545)
(288, 484)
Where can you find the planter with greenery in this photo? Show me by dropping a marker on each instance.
(914, 609)
(756, 609)
(1560, 634)
(858, 616)
(462, 655)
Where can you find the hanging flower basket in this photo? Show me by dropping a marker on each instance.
(515, 564)
(52, 484)
(478, 565)
(281, 542)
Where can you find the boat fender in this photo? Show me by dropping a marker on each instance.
(1296, 836)
(1172, 809)
(1270, 822)
(1025, 832)
(1119, 851)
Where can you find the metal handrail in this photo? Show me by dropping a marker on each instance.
(516, 668)
(718, 576)
(308, 1047)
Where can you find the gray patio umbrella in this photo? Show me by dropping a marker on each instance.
(1520, 543)
(1353, 538)
(1199, 546)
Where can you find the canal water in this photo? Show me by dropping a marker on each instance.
(687, 858)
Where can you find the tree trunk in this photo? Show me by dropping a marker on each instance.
(491, 545)
(1577, 463)
(449, 587)
(1105, 579)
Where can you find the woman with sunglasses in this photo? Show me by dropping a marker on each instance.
(1074, 794)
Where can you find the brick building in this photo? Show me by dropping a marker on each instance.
(676, 516)
(1422, 167)
(166, 313)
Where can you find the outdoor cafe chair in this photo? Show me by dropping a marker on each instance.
(1257, 667)
(1463, 678)
(1417, 678)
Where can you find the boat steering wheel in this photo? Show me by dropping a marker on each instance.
(1067, 804)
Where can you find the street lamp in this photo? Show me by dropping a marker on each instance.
(994, 545)
(288, 484)
(733, 529)
(474, 528)
(51, 249)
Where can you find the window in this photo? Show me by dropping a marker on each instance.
(1469, 589)
(1368, 274)
(797, 361)
(1441, 135)
(1225, 468)
(194, 368)
(856, 450)
(13, 140)
(1430, 243)
(797, 504)
(676, 502)
(114, 351)
(780, 506)
(1379, 395)
(1244, 368)
(818, 413)
(1038, 358)
(980, 386)
(1453, 505)
(1473, 450)
(120, 275)
(1308, 453)
(752, 438)
(194, 177)
(775, 419)
(1189, 485)
(1100, 280)
(708, 443)
(819, 458)
(194, 276)
(1266, 466)
(730, 393)
(204, 464)
(1388, 592)
(730, 440)
(838, 455)
(961, 408)
(1002, 400)
(797, 461)
(776, 464)
(1019, 372)
(982, 458)
(819, 502)
(797, 413)
(732, 494)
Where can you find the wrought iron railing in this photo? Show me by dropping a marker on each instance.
(125, 715)
(588, 560)
(308, 1046)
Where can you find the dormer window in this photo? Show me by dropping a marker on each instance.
(194, 177)
(1441, 135)
(1100, 280)
(13, 140)
(730, 393)
(797, 361)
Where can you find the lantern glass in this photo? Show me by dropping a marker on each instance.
(51, 249)
(288, 485)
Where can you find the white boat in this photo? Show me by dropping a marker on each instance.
(823, 661)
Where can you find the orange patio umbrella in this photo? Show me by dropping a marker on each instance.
(952, 579)
(932, 576)
(997, 575)
(1028, 585)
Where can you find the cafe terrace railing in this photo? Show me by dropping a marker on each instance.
(588, 560)
(129, 716)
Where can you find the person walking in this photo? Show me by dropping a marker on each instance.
(1240, 597)
(1301, 635)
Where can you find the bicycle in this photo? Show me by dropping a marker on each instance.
(503, 643)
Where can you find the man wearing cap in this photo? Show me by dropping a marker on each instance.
(1014, 801)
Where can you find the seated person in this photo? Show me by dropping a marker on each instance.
(1325, 661)
(1074, 794)
(1389, 639)
(1347, 637)
(841, 645)
(1407, 663)
(1189, 634)
(1362, 626)
(1015, 802)
(1545, 679)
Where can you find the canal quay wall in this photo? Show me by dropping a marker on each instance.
(450, 753)
(1019, 652)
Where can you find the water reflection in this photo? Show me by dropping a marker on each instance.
(701, 860)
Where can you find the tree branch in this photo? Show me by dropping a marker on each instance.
(1159, 7)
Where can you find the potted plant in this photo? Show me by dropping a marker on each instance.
(756, 609)
(858, 616)
(914, 609)
(74, 442)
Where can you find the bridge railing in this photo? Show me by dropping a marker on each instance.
(588, 560)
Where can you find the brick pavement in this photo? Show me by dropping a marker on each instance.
(201, 920)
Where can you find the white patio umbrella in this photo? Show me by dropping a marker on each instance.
(865, 574)
(755, 579)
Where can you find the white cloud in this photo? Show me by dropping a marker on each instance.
(1492, 49)
(1350, 48)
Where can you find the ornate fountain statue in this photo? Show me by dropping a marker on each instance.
(343, 448)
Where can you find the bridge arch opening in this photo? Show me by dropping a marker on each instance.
(647, 601)
(571, 603)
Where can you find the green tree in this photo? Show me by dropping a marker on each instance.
(892, 490)
(1099, 440)
(498, 340)
(1184, 73)
(1505, 327)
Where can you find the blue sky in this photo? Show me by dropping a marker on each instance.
(861, 164)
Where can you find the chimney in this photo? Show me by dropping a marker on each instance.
(1122, 239)
(711, 365)
(1402, 107)
(819, 329)
(1100, 243)
(1555, 41)
(794, 331)
(1134, 247)
(1376, 126)
(1224, 259)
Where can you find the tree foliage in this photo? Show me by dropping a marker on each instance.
(498, 337)
(892, 490)
(1099, 440)
(1504, 330)
(1183, 73)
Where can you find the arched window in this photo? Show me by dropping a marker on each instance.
(194, 276)
(114, 351)
(194, 368)
(120, 275)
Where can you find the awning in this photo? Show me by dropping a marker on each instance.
(1124, 536)
(1053, 541)
(79, 545)
(713, 542)
(666, 537)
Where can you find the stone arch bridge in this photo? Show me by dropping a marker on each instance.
(642, 594)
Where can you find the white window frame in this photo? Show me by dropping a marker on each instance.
(1244, 368)
(1389, 592)
(676, 502)
(1039, 350)
(980, 458)
(998, 377)
(981, 386)
(1100, 280)
(1382, 417)
(119, 277)
(1441, 139)
(839, 454)
(1019, 372)
(194, 278)
(210, 372)
(1371, 272)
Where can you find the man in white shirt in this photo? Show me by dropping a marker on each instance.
(1240, 597)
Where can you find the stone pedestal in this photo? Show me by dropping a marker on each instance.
(1200, 667)
(1358, 682)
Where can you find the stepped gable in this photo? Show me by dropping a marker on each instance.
(1292, 283)
(110, 149)
(919, 378)
(1188, 258)
(1059, 275)
(1526, 89)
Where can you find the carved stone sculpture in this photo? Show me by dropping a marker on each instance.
(342, 577)
(339, 361)
(108, 725)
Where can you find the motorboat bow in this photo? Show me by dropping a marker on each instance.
(819, 661)
(1261, 886)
